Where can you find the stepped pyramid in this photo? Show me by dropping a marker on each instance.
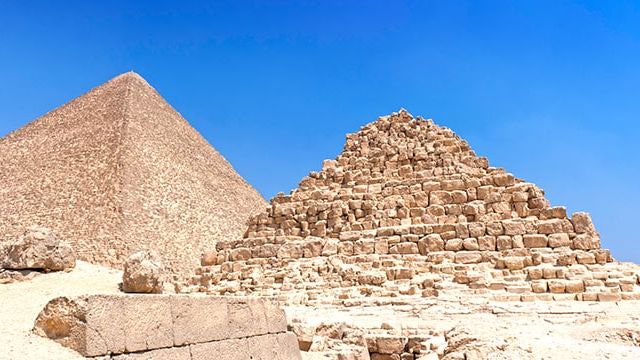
(117, 170)
(408, 209)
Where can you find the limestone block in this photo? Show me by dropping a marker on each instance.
(488, 243)
(440, 197)
(312, 247)
(586, 242)
(330, 247)
(143, 273)
(539, 286)
(574, 286)
(345, 248)
(240, 254)
(363, 247)
(535, 240)
(517, 242)
(81, 324)
(38, 248)
(372, 277)
(470, 244)
(495, 228)
(559, 240)
(209, 258)
(514, 263)
(556, 286)
(468, 257)
(435, 242)
(582, 223)
(381, 246)
(115, 324)
(585, 258)
(503, 242)
(550, 226)
(477, 230)
(389, 344)
(453, 245)
(404, 248)
(265, 251)
(290, 250)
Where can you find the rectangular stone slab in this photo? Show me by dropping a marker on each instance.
(100, 325)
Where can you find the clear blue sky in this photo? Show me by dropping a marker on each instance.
(547, 89)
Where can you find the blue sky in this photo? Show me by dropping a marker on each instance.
(546, 89)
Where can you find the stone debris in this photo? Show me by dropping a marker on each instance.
(408, 209)
(168, 327)
(144, 273)
(118, 170)
(38, 249)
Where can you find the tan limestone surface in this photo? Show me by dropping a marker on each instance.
(143, 325)
(118, 170)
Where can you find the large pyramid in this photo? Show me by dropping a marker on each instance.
(408, 209)
(117, 170)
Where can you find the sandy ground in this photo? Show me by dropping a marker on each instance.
(541, 330)
(21, 302)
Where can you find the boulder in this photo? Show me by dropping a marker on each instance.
(38, 249)
(143, 273)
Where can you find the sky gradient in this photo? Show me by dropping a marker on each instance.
(546, 89)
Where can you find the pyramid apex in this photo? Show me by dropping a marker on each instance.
(130, 74)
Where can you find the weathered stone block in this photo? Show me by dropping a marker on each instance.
(115, 324)
(535, 240)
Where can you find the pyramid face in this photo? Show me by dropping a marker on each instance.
(117, 170)
(409, 209)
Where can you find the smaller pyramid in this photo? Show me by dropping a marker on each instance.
(118, 170)
(408, 209)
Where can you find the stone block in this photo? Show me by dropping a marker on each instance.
(535, 240)
(390, 344)
(582, 223)
(468, 257)
(503, 242)
(99, 325)
(470, 244)
(487, 243)
(514, 263)
(556, 286)
(404, 248)
(559, 240)
(453, 245)
(586, 242)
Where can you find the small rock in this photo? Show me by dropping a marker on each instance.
(143, 273)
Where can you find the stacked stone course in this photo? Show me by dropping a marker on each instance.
(408, 208)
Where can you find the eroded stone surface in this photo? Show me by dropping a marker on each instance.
(143, 273)
(38, 248)
(102, 325)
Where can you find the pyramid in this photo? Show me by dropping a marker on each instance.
(408, 209)
(117, 170)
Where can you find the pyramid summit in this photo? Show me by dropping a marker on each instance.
(409, 209)
(117, 170)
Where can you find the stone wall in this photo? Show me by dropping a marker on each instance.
(168, 327)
